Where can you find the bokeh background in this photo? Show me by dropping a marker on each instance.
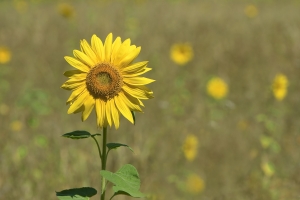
(224, 123)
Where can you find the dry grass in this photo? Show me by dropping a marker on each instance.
(247, 53)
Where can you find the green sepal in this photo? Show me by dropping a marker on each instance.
(83, 193)
(126, 181)
(79, 135)
(111, 146)
(133, 116)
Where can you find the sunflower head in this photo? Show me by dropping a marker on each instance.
(251, 11)
(194, 184)
(279, 86)
(217, 88)
(106, 79)
(190, 147)
(181, 53)
(5, 55)
(66, 10)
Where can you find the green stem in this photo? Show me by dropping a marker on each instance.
(112, 197)
(99, 150)
(103, 159)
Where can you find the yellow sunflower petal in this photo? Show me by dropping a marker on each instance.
(130, 57)
(80, 109)
(72, 72)
(78, 102)
(100, 111)
(84, 58)
(133, 99)
(108, 47)
(78, 91)
(74, 81)
(140, 72)
(72, 86)
(140, 92)
(124, 47)
(123, 108)
(98, 47)
(141, 103)
(77, 64)
(88, 51)
(135, 67)
(108, 111)
(122, 54)
(115, 47)
(89, 104)
(131, 105)
(78, 77)
(115, 114)
(138, 80)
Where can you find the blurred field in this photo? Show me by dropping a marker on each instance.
(249, 142)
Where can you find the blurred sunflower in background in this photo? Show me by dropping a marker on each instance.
(194, 184)
(279, 87)
(217, 88)
(181, 53)
(106, 79)
(5, 55)
(16, 125)
(20, 5)
(251, 11)
(190, 147)
(66, 10)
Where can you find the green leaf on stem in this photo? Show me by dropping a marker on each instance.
(111, 146)
(83, 193)
(79, 135)
(126, 181)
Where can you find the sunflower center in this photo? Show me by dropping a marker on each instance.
(104, 78)
(104, 81)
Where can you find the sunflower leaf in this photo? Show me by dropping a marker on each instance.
(126, 181)
(111, 146)
(77, 135)
(83, 193)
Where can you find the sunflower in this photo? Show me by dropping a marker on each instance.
(66, 10)
(195, 184)
(217, 88)
(181, 53)
(279, 86)
(106, 79)
(251, 11)
(190, 147)
(5, 55)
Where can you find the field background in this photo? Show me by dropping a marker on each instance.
(247, 53)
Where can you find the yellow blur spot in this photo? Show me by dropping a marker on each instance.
(66, 10)
(5, 55)
(16, 125)
(21, 5)
(251, 11)
(195, 184)
(181, 53)
(190, 147)
(267, 168)
(279, 86)
(217, 88)
(266, 141)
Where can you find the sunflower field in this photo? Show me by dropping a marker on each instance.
(221, 116)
